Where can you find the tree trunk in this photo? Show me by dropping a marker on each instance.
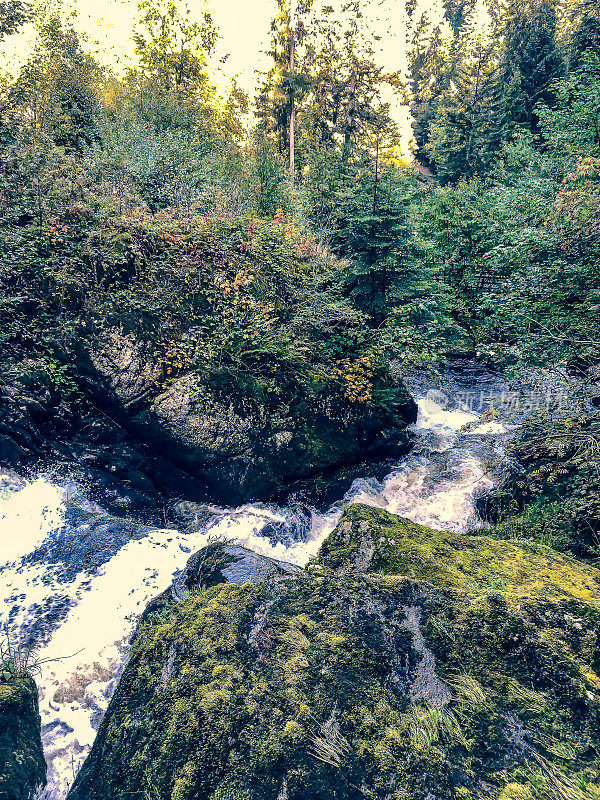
(292, 73)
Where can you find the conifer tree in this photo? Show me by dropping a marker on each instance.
(335, 91)
(530, 60)
(13, 14)
(287, 81)
(432, 63)
(585, 38)
(58, 86)
(465, 133)
(373, 225)
(458, 12)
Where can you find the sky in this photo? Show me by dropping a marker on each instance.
(244, 27)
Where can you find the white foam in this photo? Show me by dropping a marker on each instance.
(431, 417)
(27, 517)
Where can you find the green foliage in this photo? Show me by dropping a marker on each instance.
(373, 230)
(530, 62)
(13, 14)
(250, 306)
(336, 92)
(270, 175)
(555, 500)
(284, 88)
(572, 124)
(172, 50)
(58, 86)
(463, 134)
(431, 70)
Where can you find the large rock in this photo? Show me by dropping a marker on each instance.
(220, 562)
(22, 764)
(120, 367)
(402, 663)
(236, 447)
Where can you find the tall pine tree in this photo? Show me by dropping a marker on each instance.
(530, 61)
(465, 133)
(432, 62)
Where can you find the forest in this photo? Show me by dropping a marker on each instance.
(209, 296)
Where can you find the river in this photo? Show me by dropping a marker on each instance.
(74, 578)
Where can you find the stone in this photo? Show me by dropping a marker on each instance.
(391, 664)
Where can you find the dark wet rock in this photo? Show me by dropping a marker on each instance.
(294, 526)
(22, 765)
(140, 442)
(192, 516)
(221, 562)
(402, 662)
(119, 366)
(233, 445)
(242, 453)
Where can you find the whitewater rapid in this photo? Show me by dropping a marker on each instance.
(74, 580)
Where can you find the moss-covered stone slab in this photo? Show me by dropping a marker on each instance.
(402, 664)
(22, 764)
(473, 564)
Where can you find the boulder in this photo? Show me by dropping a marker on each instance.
(403, 662)
(22, 764)
(238, 448)
(221, 562)
(119, 366)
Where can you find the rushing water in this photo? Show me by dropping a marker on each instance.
(74, 578)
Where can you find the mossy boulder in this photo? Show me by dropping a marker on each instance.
(22, 764)
(402, 664)
(242, 448)
(555, 497)
(190, 357)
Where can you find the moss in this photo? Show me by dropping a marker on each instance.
(22, 765)
(472, 564)
(394, 667)
(555, 498)
(515, 791)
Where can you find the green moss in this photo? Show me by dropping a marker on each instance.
(22, 765)
(472, 564)
(516, 791)
(555, 499)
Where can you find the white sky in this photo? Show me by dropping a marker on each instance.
(244, 29)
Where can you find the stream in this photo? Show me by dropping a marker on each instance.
(74, 579)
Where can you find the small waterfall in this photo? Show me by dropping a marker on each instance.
(74, 579)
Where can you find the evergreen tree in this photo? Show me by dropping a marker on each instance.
(458, 12)
(284, 87)
(585, 38)
(345, 114)
(572, 126)
(336, 91)
(57, 88)
(530, 60)
(465, 133)
(373, 226)
(13, 14)
(432, 63)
